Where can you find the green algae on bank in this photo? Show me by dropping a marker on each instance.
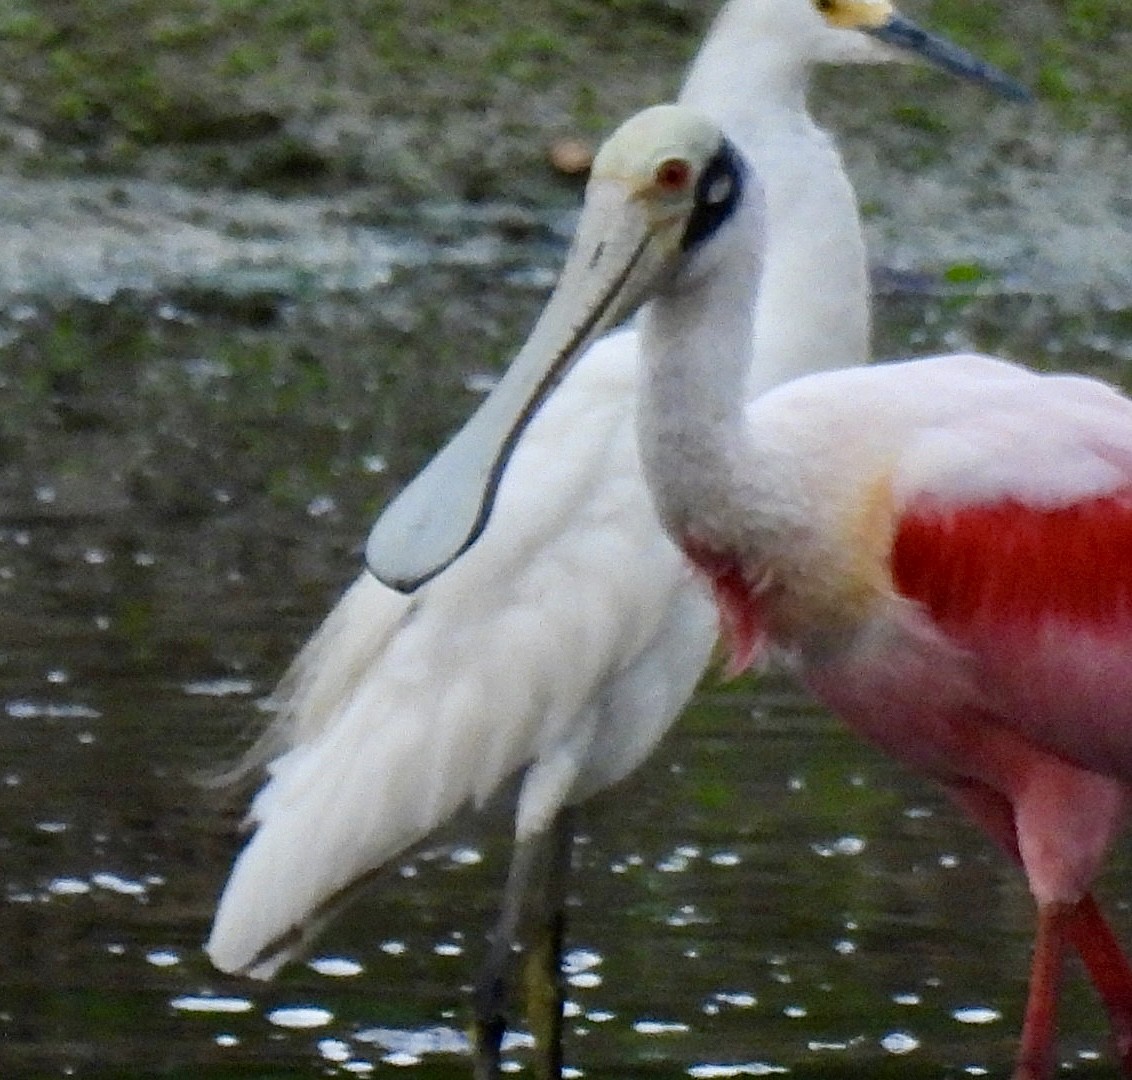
(442, 98)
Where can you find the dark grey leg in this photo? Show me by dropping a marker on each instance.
(544, 985)
(490, 999)
(536, 880)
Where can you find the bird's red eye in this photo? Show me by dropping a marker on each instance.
(673, 174)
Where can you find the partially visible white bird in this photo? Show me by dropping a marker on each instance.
(939, 548)
(566, 642)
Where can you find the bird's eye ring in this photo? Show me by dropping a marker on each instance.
(673, 175)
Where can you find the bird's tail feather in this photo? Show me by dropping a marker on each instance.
(316, 687)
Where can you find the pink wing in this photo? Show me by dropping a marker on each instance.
(1040, 601)
(1015, 566)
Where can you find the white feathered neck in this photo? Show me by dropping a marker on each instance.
(812, 311)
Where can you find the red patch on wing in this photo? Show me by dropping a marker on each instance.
(740, 617)
(1008, 564)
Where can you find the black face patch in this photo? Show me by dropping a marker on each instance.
(717, 194)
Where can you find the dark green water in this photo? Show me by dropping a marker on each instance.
(185, 477)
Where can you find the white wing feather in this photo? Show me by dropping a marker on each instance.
(465, 692)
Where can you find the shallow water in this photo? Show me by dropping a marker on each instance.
(186, 470)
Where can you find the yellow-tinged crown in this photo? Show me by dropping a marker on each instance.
(661, 151)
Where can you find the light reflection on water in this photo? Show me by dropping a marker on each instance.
(765, 897)
(714, 900)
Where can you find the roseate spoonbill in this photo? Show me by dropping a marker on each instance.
(938, 548)
(567, 642)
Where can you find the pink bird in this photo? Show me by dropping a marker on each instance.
(940, 549)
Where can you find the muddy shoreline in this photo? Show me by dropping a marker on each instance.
(225, 134)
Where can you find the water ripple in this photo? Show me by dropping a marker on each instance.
(750, 1068)
(205, 1003)
(299, 1017)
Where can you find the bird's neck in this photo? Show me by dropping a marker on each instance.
(813, 304)
(813, 309)
(745, 82)
(696, 347)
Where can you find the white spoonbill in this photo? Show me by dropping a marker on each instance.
(939, 548)
(565, 644)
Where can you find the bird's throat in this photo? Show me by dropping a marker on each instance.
(736, 599)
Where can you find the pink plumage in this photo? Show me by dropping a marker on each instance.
(740, 618)
(1041, 599)
(1011, 566)
(942, 550)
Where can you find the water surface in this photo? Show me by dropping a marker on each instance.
(188, 463)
